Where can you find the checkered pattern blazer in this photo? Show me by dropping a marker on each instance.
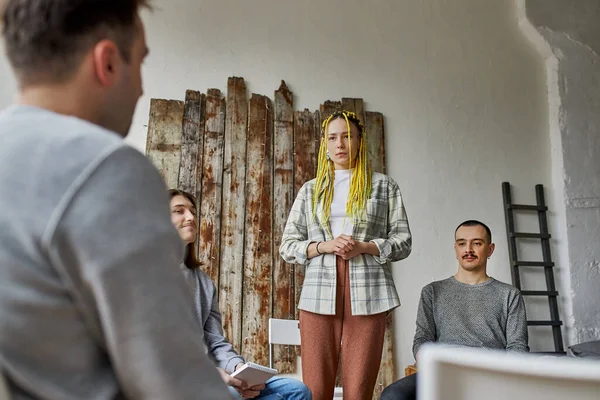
(372, 288)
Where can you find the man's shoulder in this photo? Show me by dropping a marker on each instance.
(60, 144)
(505, 287)
(49, 126)
(437, 286)
(440, 283)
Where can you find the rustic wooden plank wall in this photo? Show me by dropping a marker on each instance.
(163, 144)
(246, 160)
(306, 147)
(284, 357)
(191, 166)
(210, 204)
(258, 251)
(233, 216)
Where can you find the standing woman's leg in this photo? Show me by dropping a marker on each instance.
(321, 337)
(362, 345)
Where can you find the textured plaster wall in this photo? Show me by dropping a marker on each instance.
(573, 33)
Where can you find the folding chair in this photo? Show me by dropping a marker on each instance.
(451, 373)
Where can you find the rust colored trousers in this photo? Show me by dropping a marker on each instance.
(357, 339)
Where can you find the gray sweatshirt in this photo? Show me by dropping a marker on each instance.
(489, 315)
(207, 312)
(92, 302)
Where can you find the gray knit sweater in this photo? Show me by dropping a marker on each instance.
(489, 314)
(207, 311)
(92, 305)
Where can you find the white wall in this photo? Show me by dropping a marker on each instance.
(463, 92)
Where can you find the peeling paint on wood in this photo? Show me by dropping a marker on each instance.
(356, 106)
(258, 251)
(329, 107)
(163, 145)
(233, 215)
(209, 245)
(191, 142)
(284, 305)
(376, 140)
(306, 146)
(387, 370)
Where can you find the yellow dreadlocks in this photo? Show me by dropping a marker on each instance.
(360, 183)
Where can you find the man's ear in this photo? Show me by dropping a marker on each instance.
(107, 61)
(492, 248)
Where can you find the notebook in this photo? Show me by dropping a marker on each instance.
(254, 374)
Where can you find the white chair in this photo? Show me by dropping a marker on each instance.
(452, 373)
(287, 332)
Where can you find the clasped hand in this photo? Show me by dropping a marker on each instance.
(343, 246)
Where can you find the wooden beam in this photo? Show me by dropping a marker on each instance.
(376, 147)
(328, 108)
(376, 140)
(356, 106)
(258, 249)
(283, 196)
(234, 203)
(163, 143)
(191, 143)
(387, 370)
(209, 245)
(306, 147)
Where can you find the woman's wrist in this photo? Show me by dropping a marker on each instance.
(370, 248)
(319, 252)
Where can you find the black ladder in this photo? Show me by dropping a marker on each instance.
(547, 263)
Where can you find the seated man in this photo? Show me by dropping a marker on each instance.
(468, 309)
(183, 217)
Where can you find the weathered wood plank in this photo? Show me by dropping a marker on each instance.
(328, 108)
(209, 245)
(233, 217)
(192, 141)
(283, 195)
(163, 143)
(356, 106)
(258, 252)
(376, 144)
(306, 146)
(375, 140)
(387, 370)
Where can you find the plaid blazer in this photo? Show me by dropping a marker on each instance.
(372, 288)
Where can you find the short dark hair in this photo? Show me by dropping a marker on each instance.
(46, 39)
(474, 222)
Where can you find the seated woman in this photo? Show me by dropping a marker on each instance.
(183, 217)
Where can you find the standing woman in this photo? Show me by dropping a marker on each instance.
(346, 226)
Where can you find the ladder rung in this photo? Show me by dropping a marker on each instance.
(530, 235)
(538, 293)
(544, 323)
(526, 208)
(533, 264)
